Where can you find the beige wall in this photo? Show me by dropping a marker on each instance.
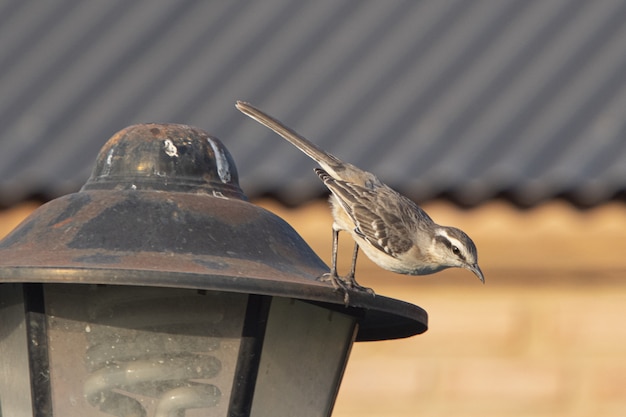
(546, 335)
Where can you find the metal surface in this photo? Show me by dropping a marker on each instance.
(163, 208)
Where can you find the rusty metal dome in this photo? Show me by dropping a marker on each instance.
(163, 207)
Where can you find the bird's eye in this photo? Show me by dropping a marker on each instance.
(456, 250)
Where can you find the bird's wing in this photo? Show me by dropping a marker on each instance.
(366, 207)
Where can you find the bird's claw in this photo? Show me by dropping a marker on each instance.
(338, 284)
(351, 283)
(345, 284)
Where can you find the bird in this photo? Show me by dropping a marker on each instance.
(391, 229)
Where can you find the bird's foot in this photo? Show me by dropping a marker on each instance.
(338, 284)
(351, 282)
(345, 284)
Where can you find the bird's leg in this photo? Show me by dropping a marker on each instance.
(332, 276)
(350, 277)
(333, 256)
(355, 253)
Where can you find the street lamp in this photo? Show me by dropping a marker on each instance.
(159, 290)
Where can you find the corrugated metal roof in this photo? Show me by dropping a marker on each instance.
(468, 100)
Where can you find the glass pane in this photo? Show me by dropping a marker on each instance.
(142, 351)
(303, 359)
(15, 394)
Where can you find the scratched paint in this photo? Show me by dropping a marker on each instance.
(170, 149)
(223, 169)
(106, 169)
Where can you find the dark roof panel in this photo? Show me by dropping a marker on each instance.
(468, 100)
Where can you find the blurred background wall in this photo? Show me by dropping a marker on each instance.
(505, 118)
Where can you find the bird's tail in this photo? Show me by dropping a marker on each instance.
(316, 153)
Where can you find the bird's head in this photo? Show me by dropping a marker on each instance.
(453, 248)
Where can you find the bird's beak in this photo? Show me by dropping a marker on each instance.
(476, 270)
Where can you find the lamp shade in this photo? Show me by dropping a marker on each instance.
(159, 290)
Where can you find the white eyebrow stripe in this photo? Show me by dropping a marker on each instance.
(455, 242)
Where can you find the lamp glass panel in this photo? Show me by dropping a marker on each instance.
(142, 351)
(304, 355)
(15, 394)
